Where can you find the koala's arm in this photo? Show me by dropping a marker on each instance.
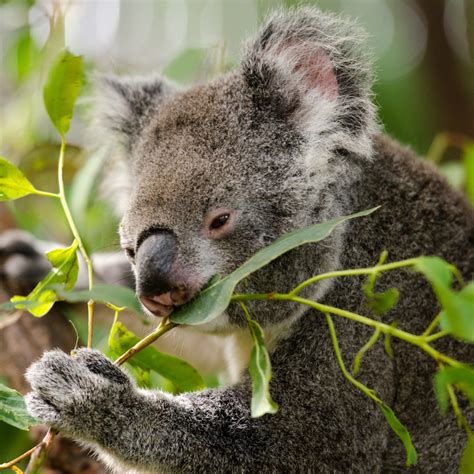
(92, 400)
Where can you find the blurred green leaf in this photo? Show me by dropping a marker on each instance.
(462, 377)
(212, 302)
(466, 465)
(469, 171)
(13, 409)
(400, 430)
(82, 186)
(186, 66)
(119, 296)
(261, 373)
(13, 184)
(458, 314)
(62, 88)
(185, 377)
(64, 272)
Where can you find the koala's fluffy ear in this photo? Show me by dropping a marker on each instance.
(313, 68)
(123, 106)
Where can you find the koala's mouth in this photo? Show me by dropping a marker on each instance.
(164, 304)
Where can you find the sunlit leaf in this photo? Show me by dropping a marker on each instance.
(466, 465)
(64, 272)
(461, 377)
(62, 88)
(261, 373)
(185, 377)
(13, 184)
(13, 409)
(400, 430)
(213, 301)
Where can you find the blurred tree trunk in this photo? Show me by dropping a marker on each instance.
(445, 73)
(23, 338)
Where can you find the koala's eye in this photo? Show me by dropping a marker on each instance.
(130, 254)
(219, 221)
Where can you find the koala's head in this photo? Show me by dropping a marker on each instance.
(217, 171)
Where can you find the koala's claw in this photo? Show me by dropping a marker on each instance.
(69, 392)
(98, 364)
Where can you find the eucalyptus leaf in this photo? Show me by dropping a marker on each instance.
(212, 301)
(185, 377)
(462, 377)
(261, 373)
(119, 296)
(400, 430)
(13, 409)
(64, 273)
(458, 314)
(13, 184)
(62, 88)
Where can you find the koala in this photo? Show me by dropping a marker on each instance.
(206, 176)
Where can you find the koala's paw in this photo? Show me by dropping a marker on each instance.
(77, 394)
(22, 262)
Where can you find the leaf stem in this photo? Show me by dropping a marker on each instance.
(354, 272)
(418, 341)
(75, 233)
(146, 341)
(432, 325)
(47, 194)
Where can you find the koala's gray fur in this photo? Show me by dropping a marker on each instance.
(284, 145)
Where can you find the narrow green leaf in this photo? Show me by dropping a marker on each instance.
(469, 171)
(213, 301)
(62, 88)
(13, 184)
(13, 409)
(261, 373)
(185, 377)
(119, 296)
(466, 465)
(64, 273)
(400, 430)
(462, 377)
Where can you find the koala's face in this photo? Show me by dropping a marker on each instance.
(213, 181)
(220, 170)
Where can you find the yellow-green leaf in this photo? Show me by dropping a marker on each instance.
(64, 272)
(185, 377)
(13, 184)
(62, 88)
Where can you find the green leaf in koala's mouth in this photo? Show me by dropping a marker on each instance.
(213, 301)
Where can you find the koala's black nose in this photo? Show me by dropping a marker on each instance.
(154, 264)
